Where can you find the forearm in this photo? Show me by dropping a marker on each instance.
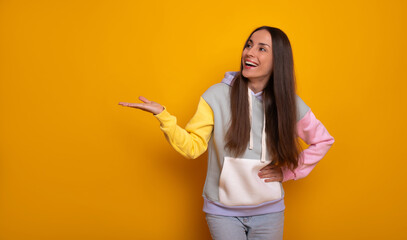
(192, 141)
(314, 133)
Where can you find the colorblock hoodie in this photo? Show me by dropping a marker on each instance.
(232, 186)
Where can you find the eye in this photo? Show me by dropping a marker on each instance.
(247, 45)
(261, 49)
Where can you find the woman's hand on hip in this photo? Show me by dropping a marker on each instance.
(271, 173)
(146, 105)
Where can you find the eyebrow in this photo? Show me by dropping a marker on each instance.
(260, 43)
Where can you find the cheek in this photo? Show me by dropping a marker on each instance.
(270, 64)
(243, 53)
(267, 64)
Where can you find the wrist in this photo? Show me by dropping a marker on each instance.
(162, 109)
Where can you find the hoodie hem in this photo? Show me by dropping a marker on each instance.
(216, 208)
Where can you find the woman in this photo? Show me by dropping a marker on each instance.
(250, 124)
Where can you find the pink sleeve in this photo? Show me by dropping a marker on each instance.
(313, 132)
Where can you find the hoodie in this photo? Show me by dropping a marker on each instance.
(232, 186)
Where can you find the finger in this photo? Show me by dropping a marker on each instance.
(144, 99)
(268, 170)
(267, 174)
(135, 105)
(265, 179)
(124, 103)
(275, 179)
(267, 167)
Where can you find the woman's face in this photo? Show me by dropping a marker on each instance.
(258, 51)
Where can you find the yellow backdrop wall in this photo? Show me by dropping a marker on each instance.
(76, 165)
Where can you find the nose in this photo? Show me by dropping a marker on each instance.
(250, 52)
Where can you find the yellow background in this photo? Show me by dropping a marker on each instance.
(76, 165)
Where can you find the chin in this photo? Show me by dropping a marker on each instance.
(243, 74)
(247, 74)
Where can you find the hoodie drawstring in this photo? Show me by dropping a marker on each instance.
(250, 116)
(263, 135)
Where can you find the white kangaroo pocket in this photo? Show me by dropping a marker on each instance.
(240, 185)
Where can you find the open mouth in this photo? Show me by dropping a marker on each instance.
(249, 65)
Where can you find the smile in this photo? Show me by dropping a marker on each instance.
(249, 64)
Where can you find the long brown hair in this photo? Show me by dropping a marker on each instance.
(279, 99)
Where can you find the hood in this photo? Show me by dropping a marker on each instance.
(229, 77)
(228, 80)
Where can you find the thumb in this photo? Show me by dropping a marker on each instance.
(145, 100)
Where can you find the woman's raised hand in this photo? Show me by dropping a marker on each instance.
(147, 105)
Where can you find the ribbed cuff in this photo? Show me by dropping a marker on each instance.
(165, 118)
(287, 174)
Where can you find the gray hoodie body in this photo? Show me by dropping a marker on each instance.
(232, 186)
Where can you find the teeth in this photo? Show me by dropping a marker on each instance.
(250, 64)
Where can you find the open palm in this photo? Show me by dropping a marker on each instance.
(146, 105)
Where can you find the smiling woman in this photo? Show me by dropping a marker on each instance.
(250, 124)
(257, 59)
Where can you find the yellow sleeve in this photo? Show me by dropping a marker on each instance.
(192, 141)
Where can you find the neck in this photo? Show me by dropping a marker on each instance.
(257, 85)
